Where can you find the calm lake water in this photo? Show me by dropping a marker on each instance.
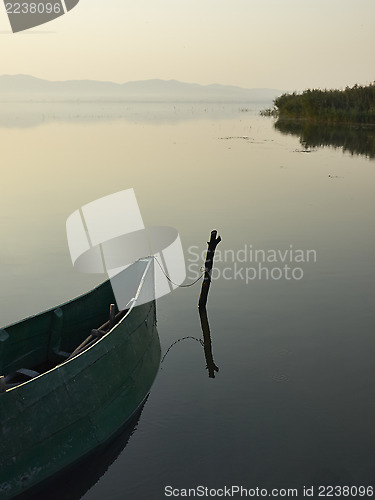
(292, 404)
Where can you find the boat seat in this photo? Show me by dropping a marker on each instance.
(18, 377)
(22, 375)
(63, 354)
(27, 373)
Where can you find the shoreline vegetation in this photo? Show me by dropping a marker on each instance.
(354, 105)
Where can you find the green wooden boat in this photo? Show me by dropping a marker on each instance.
(61, 396)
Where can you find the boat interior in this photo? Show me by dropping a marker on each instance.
(40, 343)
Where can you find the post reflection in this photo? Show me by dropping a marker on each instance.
(207, 343)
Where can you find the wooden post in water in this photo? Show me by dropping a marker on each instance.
(212, 244)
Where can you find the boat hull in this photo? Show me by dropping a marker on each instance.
(56, 419)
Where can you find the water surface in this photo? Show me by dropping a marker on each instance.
(292, 403)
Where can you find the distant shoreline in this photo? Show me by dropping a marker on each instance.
(28, 88)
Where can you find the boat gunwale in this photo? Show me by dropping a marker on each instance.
(64, 363)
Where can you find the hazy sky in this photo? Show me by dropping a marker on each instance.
(289, 44)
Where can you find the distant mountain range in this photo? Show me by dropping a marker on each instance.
(29, 88)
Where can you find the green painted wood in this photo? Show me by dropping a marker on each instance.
(4, 336)
(62, 415)
(55, 334)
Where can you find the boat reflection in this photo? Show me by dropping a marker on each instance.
(351, 138)
(75, 482)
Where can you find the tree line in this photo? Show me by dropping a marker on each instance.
(353, 105)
